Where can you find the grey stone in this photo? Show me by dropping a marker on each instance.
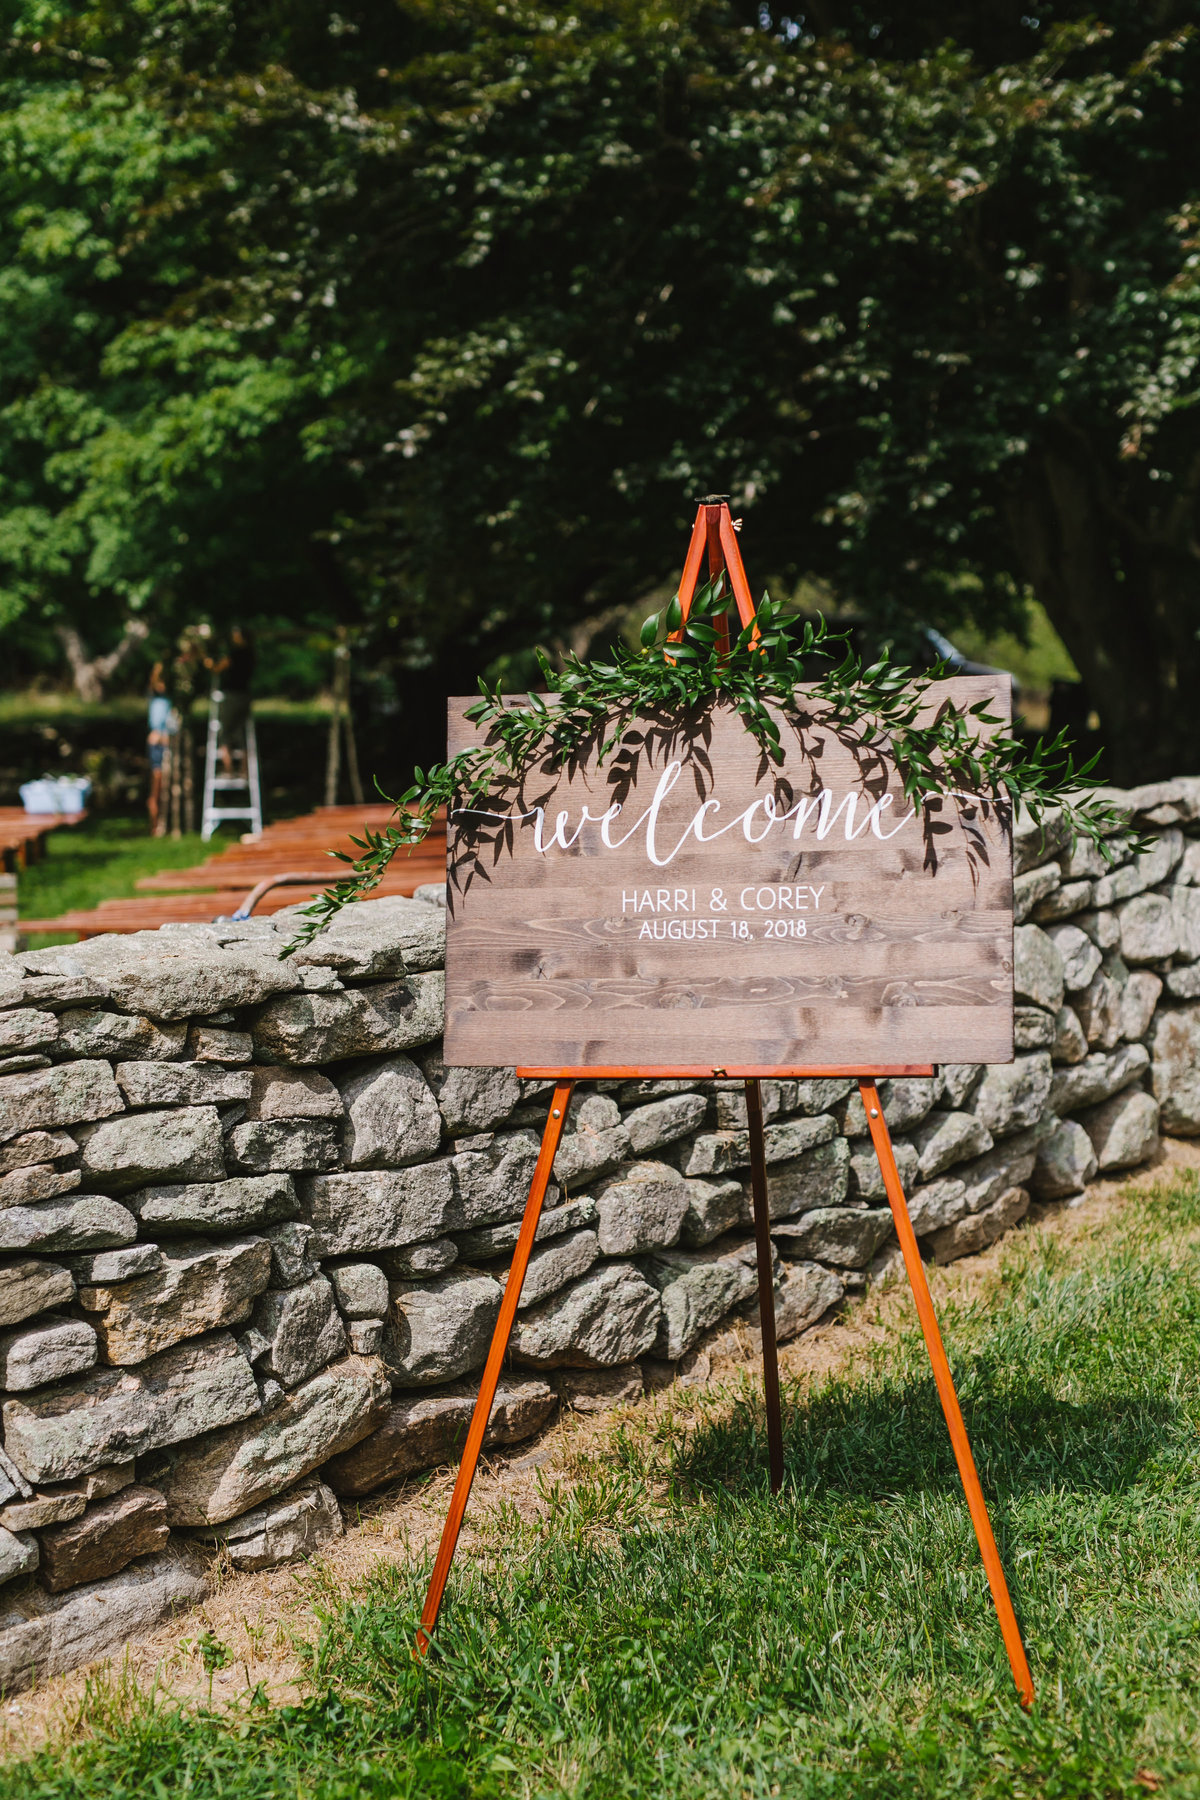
(1079, 956)
(804, 1295)
(696, 1289)
(845, 1236)
(1037, 969)
(431, 893)
(492, 1181)
(301, 1145)
(114, 1265)
(41, 1182)
(1083, 857)
(378, 938)
(291, 1258)
(1033, 1029)
(1097, 1078)
(113, 1414)
(392, 1117)
(227, 1472)
(107, 1537)
(1012, 1096)
(302, 1328)
(979, 1229)
(868, 1177)
(1139, 997)
(25, 1029)
(593, 1143)
(1184, 983)
(819, 1178)
(177, 975)
(296, 1524)
(959, 1081)
(1071, 898)
(641, 1207)
(1070, 1044)
(241, 1203)
(946, 1138)
(1149, 930)
(498, 1240)
(610, 1315)
(1010, 1164)
(51, 1350)
(292, 1094)
(422, 1430)
(820, 1094)
(939, 1204)
(18, 1555)
(1065, 1163)
(181, 1084)
(437, 1330)
(63, 990)
(1103, 928)
(591, 1391)
(1174, 1045)
(552, 1265)
(904, 1101)
(1164, 802)
(14, 1065)
(66, 1095)
(718, 1152)
(663, 1121)
(1185, 906)
(1033, 886)
(420, 1260)
(202, 1283)
(1145, 871)
(371, 1021)
(29, 1286)
(366, 1336)
(374, 1209)
(471, 1099)
(47, 1634)
(361, 1289)
(1099, 1007)
(50, 1508)
(713, 1207)
(1037, 840)
(34, 1147)
(1124, 1130)
(74, 1222)
(182, 1144)
(214, 1043)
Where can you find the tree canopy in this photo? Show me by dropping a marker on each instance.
(433, 318)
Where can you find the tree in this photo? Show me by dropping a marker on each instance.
(437, 317)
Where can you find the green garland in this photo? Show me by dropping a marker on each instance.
(680, 667)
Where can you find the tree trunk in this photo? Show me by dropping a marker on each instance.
(89, 673)
(1122, 589)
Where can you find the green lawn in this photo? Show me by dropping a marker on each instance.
(670, 1630)
(99, 860)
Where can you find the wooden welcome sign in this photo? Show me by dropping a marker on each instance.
(687, 892)
(687, 906)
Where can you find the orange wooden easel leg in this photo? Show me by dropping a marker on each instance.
(1009, 1629)
(556, 1119)
(766, 1282)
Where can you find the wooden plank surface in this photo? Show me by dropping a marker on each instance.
(688, 902)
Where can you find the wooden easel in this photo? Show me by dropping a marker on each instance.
(713, 533)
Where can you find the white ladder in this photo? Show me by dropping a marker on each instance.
(215, 784)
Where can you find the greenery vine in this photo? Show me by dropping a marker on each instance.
(683, 665)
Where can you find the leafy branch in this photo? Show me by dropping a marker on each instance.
(682, 665)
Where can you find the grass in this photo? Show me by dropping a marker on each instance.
(101, 859)
(30, 706)
(667, 1629)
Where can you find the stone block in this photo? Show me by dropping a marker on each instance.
(18, 1554)
(437, 1330)
(1010, 1164)
(71, 1222)
(118, 1038)
(291, 1258)
(215, 1043)
(1185, 906)
(107, 1537)
(1103, 928)
(905, 1102)
(1012, 1096)
(804, 1296)
(376, 939)
(181, 1084)
(716, 1153)
(226, 1473)
(499, 1240)
(29, 1286)
(294, 1525)
(112, 1414)
(470, 1099)
(1037, 840)
(46, 1634)
(300, 1329)
(178, 975)
(1078, 954)
(946, 1138)
(1071, 898)
(365, 1336)
(1099, 1007)
(374, 1209)
(1037, 969)
(1083, 858)
(553, 1264)
(422, 1430)
(50, 1508)
(592, 1391)
(1139, 997)
(1184, 983)
(958, 1082)
(371, 1021)
(609, 1316)
(664, 1121)
(66, 1095)
(979, 1229)
(361, 1289)
(242, 1203)
(819, 1178)
(641, 1207)
(1033, 1029)
(714, 1206)
(1173, 1043)
(939, 1204)
(292, 1094)
(1034, 885)
(1149, 932)
(60, 990)
(181, 1144)
(34, 1147)
(392, 1117)
(1070, 1043)
(26, 1029)
(202, 1283)
(307, 1146)
(94, 1266)
(1097, 1077)
(1065, 1162)
(42, 1181)
(696, 1289)
(1123, 1130)
(50, 1350)
(846, 1236)
(867, 1177)
(1145, 871)
(419, 1261)
(594, 1141)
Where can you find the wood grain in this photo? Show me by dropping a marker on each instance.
(737, 913)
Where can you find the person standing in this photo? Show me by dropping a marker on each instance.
(233, 674)
(161, 724)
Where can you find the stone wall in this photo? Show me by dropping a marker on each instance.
(253, 1232)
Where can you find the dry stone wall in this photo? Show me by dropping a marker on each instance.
(254, 1233)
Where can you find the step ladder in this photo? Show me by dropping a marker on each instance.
(216, 785)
